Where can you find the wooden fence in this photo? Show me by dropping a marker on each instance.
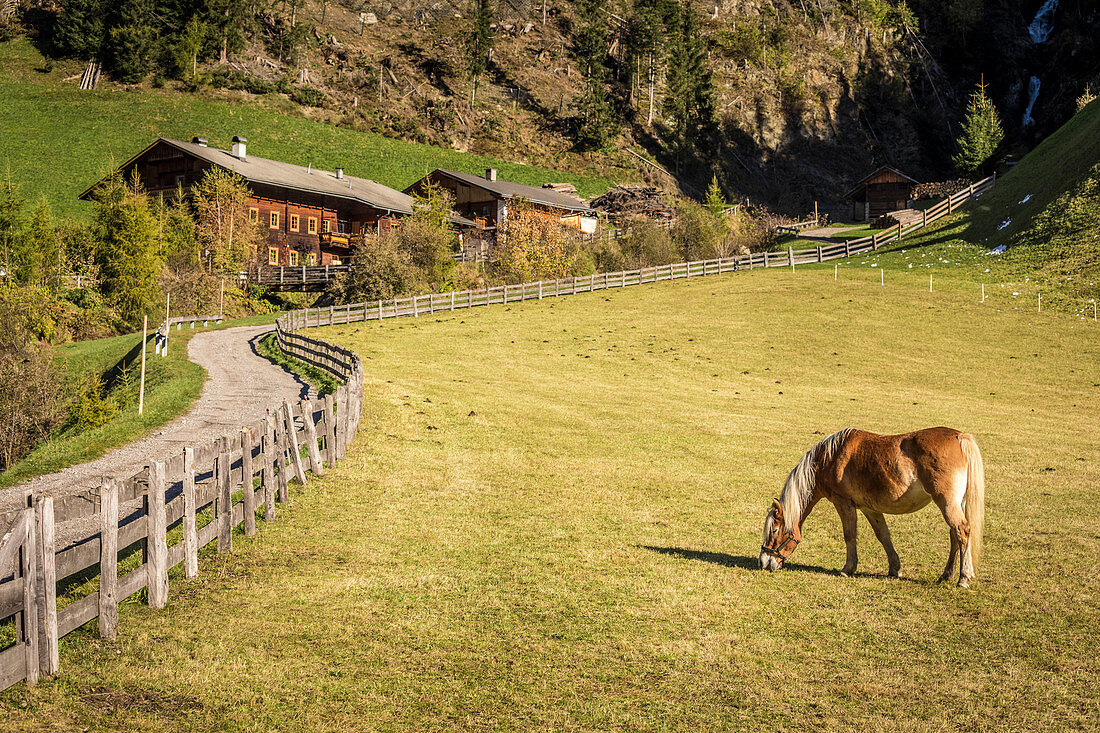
(421, 305)
(303, 277)
(234, 477)
(160, 336)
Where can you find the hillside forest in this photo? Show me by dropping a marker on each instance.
(784, 101)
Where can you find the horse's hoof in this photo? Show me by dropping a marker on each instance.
(894, 574)
(964, 583)
(944, 578)
(847, 573)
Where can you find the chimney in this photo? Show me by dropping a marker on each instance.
(199, 141)
(239, 146)
(490, 174)
(339, 174)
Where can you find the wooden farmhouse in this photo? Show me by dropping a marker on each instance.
(884, 191)
(310, 216)
(485, 199)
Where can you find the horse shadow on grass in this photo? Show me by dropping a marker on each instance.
(746, 563)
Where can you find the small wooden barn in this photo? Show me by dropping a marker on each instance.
(885, 190)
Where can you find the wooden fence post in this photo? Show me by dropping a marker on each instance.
(316, 465)
(246, 482)
(108, 559)
(156, 567)
(268, 452)
(49, 662)
(848, 247)
(874, 243)
(330, 431)
(190, 532)
(292, 443)
(281, 486)
(765, 258)
(225, 499)
(29, 567)
(819, 253)
(343, 400)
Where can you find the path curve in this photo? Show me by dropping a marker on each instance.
(241, 386)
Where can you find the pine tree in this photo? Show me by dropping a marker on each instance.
(29, 255)
(715, 201)
(597, 116)
(645, 32)
(479, 44)
(689, 99)
(81, 28)
(982, 133)
(133, 41)
(126, 246)
(12, 224)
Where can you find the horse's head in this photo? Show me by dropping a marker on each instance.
(779, 542)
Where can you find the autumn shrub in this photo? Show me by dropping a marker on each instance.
(533, 246)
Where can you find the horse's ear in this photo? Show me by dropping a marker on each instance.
(778, 508)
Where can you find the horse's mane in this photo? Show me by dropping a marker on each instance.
(800, 482)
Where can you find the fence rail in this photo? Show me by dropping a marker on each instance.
(303, 277)
(234, 477)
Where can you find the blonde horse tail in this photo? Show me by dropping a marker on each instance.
(974, 499)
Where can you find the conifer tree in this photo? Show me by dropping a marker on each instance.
(715, 201)
(133, 41)
(479, 44)
(982, 133)
(11, 224)
(645, 32)
(597, 116)
(689, 99)
(221, 210)
(29, 256)
(126, 252)
(81, 28)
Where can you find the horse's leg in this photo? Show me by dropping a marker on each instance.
(960, 543)
(878, 523)
(847, 511)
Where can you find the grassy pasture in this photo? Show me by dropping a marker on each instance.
(552, 513)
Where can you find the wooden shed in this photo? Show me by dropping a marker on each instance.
(885, 190)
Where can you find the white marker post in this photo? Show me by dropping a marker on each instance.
(1094, 309)
(167, 325)
(141, 390)
(930, 282)
(881, 277)
(834, 272)
(1040, 302)
(983, 292)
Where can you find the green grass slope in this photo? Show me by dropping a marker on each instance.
(551, 517)
(1046, 214)
(57, 140)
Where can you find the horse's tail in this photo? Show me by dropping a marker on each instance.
(974, 499)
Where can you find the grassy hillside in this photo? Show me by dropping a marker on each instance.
(1045, 212)
(552, 514)
(57, 140)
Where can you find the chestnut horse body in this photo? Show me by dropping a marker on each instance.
(884, 474)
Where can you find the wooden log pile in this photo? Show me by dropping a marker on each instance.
(626, 201)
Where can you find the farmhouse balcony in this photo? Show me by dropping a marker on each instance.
(339, 239)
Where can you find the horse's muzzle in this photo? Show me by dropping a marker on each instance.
(769, 562)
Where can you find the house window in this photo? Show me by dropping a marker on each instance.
(311, 225)
(272, 255)
(254, 215)
(179, 181)
(335, 260)
(343, 226)
(293, 254)
(274, 219)
(326, 226)
(311, 259)
(293, 222)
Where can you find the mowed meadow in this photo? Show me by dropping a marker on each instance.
(551, 517)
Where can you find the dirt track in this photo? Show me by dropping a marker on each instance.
(240, 387)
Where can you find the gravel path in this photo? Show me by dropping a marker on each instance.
(241, 385)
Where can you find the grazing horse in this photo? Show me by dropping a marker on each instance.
(884, 474)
